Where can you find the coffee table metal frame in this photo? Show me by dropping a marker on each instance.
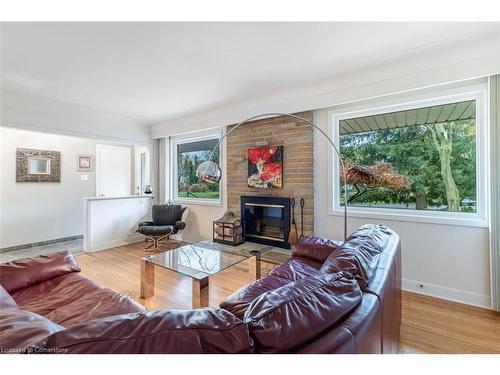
(200, 285)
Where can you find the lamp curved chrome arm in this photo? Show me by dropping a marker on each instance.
(209, 171)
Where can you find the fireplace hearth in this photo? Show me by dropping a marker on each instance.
(266, 220)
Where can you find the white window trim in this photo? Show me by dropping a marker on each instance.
(172, 166)
(476, 92)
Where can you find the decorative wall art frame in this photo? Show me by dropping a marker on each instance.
(84, 163)
(38, 165)
(265, 167)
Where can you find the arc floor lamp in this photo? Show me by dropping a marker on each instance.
(210, 172)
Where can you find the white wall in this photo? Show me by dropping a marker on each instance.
(32, 212)
(52, 211)
(199, 222)
(111, 222)
(449, 261)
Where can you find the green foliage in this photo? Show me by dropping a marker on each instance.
(187, 163)
(412, 152)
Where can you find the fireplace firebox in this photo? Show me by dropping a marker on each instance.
(266, 220)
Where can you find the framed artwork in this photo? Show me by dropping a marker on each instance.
(265, 167)
(38, 165)
(84, 163)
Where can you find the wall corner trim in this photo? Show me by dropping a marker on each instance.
(494, 89)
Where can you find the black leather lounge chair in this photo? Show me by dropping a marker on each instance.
(167, 220)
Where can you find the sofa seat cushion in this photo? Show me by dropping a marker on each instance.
(19, 329)
(73, 298)
(154, 332)
(22, 273)
(292, 269)
(360, 254)
(238, 302)
(286, 318)
(315, 247)
(296, 268)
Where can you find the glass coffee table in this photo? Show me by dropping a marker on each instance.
(199, 262)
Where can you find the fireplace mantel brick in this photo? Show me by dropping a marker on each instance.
(297, 141)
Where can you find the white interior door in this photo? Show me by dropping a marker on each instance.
(113, 171)
(142, 168)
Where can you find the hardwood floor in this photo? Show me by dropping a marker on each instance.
(429, 325)
(432, 325)
(120, 269)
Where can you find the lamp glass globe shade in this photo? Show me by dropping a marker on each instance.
(209, 172)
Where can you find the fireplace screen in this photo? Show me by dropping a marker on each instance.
(267, 220)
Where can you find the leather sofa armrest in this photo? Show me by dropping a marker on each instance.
(286, 318)
(315, 247)
(142, 223)
(154, 332)
(22, 273)
(180, 225)
(20, 329)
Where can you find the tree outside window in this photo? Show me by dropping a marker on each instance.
(434, 148)
(189, 156)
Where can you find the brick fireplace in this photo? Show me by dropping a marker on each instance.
(297, 141)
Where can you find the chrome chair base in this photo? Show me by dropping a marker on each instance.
(156, 242)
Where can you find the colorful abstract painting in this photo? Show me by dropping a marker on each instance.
(265, 167)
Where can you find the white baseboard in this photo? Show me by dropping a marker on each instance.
(115, 243)
(450, 294)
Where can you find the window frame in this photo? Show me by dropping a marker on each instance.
(476, 92)
(174, 141)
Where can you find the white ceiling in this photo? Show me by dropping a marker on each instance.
(149, 71)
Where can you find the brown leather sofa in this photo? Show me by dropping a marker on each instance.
(327, 298)
(372, 254)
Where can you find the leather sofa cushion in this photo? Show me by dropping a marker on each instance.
(291, 270)
(155, 332)
(73, 298)
(315, 247)
(238, 302)
(294, 269)
(20, 329)
(6, 301)
(360, 254)
(286, 318)
(22, 273)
